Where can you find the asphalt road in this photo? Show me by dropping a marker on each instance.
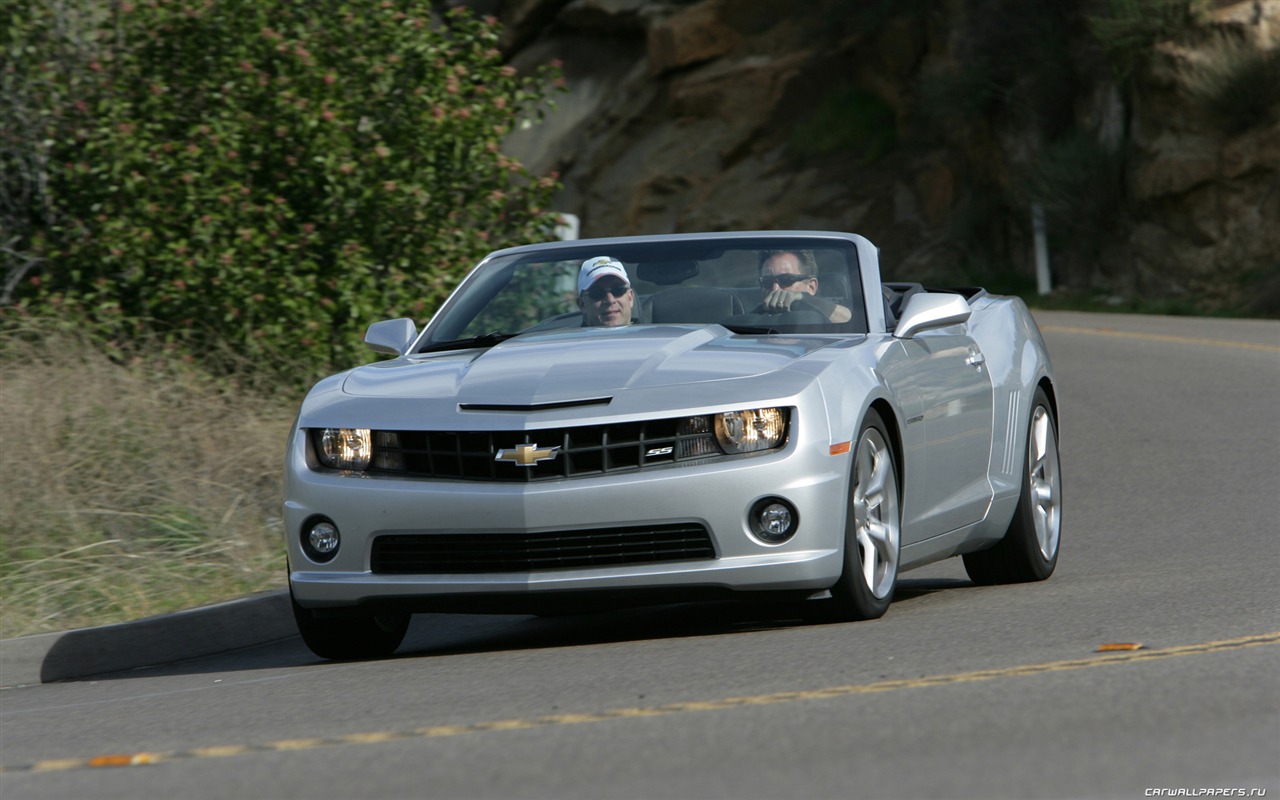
(1171, 451)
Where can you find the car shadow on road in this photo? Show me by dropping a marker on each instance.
(464, 634)
(437, 635)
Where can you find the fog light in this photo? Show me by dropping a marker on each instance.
(774, 520)
(320, 540)
(324, 538)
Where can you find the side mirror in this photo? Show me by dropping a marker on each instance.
(930, 310)
(391, 335)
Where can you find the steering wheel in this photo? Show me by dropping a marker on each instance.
(800, 313)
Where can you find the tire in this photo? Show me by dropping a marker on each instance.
(350, 638)
(873, 529)
(1029, 550)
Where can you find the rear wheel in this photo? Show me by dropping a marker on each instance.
(350, 638)
(873, 528)
(1029, 549)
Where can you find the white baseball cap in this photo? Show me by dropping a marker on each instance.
(593, 269)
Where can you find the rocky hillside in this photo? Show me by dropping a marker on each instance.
(1151, 141)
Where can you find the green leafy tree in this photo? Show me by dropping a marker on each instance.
(275, 173)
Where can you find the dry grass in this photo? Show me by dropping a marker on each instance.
(130, 487)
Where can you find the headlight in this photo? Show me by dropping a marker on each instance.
(694, 439)
(749, 431)
(345, 448)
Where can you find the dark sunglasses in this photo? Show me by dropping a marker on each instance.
(785, 280)
(599, 292)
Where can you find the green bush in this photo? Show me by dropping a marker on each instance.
(1080, 183)
(945, 98)
(1238, 81)
(1127, 29)
(271, 173)
(849, 119)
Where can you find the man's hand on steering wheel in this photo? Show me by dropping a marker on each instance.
(779, 301)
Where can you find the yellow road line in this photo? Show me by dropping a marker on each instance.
(1161, 337)
(1108, 659)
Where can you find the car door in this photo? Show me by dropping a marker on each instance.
(954, 392)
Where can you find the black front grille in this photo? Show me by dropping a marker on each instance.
(564, 452)
(399, 554)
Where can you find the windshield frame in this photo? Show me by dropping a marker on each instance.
(474, 293)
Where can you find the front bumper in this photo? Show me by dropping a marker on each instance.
(717, 495)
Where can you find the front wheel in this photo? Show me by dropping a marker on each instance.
(873, 528)
(350, 638)
(1029, 549)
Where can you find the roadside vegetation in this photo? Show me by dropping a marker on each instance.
(203, 206)
(275, 175)
(134, 484)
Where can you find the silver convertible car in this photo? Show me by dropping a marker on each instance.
(660, 419)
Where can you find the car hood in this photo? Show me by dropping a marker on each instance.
(581, 364)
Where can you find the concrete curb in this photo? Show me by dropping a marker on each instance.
(245, 622)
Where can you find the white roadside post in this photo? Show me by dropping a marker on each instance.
(1044, 284)
(568, 228)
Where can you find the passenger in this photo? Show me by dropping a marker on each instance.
(604, 293)
(789, 276)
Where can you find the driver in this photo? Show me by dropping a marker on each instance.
(790, 276)
(604, 293)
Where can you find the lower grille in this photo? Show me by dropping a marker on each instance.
(398, 554)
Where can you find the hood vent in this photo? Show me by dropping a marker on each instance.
(593, 401)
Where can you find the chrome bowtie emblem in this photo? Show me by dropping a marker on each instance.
(526, 455)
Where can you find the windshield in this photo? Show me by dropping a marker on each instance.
(748, 285)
